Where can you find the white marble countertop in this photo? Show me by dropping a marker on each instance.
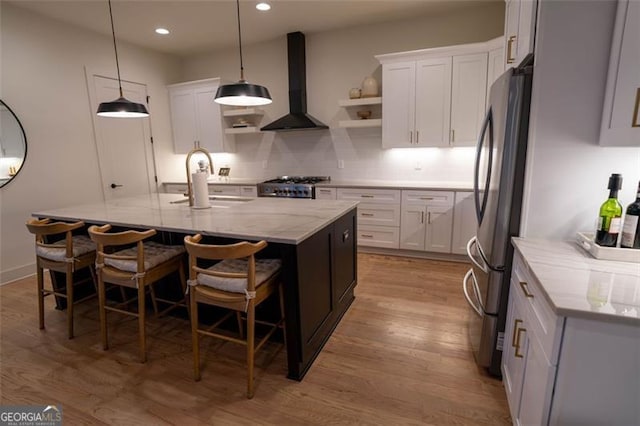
(214, 180)
(399, 184)
(578, 285)
(281, 220)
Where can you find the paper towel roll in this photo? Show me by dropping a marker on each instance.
(200, 190)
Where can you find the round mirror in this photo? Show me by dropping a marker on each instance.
(13, 144)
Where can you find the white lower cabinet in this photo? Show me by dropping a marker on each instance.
(465, 222)
(426, 220)
(559, 370)
(216, 189)
(378, 215)
(325, 193)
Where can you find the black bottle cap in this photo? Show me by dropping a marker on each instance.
(615, 182)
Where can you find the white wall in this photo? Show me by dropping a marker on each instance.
(337, 61)
(567, 171)
(43, 81)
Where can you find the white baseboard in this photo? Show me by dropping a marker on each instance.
(14, 274)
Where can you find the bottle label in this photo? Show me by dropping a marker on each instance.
(629, 230)
(614, 226)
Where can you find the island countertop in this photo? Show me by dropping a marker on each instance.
(578, 285)
(288, 221)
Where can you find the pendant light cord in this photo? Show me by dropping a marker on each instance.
(239, 41)
(113, 33)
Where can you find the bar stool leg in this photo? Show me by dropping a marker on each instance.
(194, 333)
(40, 297)
(69, 281)
(103, 312)
(141, 322)
(251, 318)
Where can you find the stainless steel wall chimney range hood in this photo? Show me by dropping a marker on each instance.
(297, 119)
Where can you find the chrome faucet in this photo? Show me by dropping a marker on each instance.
(189, 184)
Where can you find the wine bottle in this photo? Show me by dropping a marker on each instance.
(631, 227)
(610, 215)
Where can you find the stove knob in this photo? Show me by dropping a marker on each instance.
(306, 192)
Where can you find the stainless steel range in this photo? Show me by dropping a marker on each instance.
(291, 186)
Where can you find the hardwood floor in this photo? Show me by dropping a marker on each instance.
(400, 356)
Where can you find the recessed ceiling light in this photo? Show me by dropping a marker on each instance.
(263, 6)
(162, 31)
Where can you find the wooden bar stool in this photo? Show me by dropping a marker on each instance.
(238, 282)
(66, 255)
(139, 267)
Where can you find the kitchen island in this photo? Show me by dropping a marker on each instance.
(314, 238)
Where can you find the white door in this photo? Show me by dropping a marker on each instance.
(433, 102)
(398, 107)
(125, 152)
(468, 93)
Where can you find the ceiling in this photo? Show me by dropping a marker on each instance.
(204, 25)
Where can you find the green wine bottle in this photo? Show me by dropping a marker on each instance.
(631, 227)
(609, 220)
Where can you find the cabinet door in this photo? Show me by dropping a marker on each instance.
(439, 221)
(511, 16)
(209, 120)
(514, 353)
(325, 193)
(398, 106)
(465, 223)
(537, 386)
(526, 29)
(227, 190)
(621, 113)
(468, 93)
(495, 68)
(433, 102)
(412, 227)
(183, 119)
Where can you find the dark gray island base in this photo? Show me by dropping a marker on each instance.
(319, 269)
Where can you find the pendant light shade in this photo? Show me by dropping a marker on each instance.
(242, 93)
(121, 107)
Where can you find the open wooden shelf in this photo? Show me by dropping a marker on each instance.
(241, 130)
(242, 112)
(370, 122)
(360, 102)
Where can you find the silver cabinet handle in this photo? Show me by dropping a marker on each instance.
(366, 235)
(366, 196)
(366, 214)
(417, 136)
(421, 217)
(429, 218)
(410, 136)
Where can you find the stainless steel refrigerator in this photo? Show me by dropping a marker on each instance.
(498, 183)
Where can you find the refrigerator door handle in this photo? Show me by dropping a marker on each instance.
(465, 282)
(487, 124)
(483, 267)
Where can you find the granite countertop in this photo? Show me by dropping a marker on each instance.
(578, 285)
(213, 180)
(399, 184)
(281, 220)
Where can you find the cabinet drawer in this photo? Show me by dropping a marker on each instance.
(389, 196)
(431, 198)
(249, 191)
(378, 214)
(379, 236)
(224, 190)
(325, 193)
(543, 323)
(175, 188)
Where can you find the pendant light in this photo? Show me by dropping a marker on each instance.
(121, 107)
(242, 93)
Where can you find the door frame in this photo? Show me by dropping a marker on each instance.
(150, 155)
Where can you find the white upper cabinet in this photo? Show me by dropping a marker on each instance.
(495, 66)
(196, 119)
(468, 94)
(519, 30)
(434, 97)
(398, 106)
(621, 112)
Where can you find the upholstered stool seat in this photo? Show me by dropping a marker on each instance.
(265, 269)
(57, 250)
